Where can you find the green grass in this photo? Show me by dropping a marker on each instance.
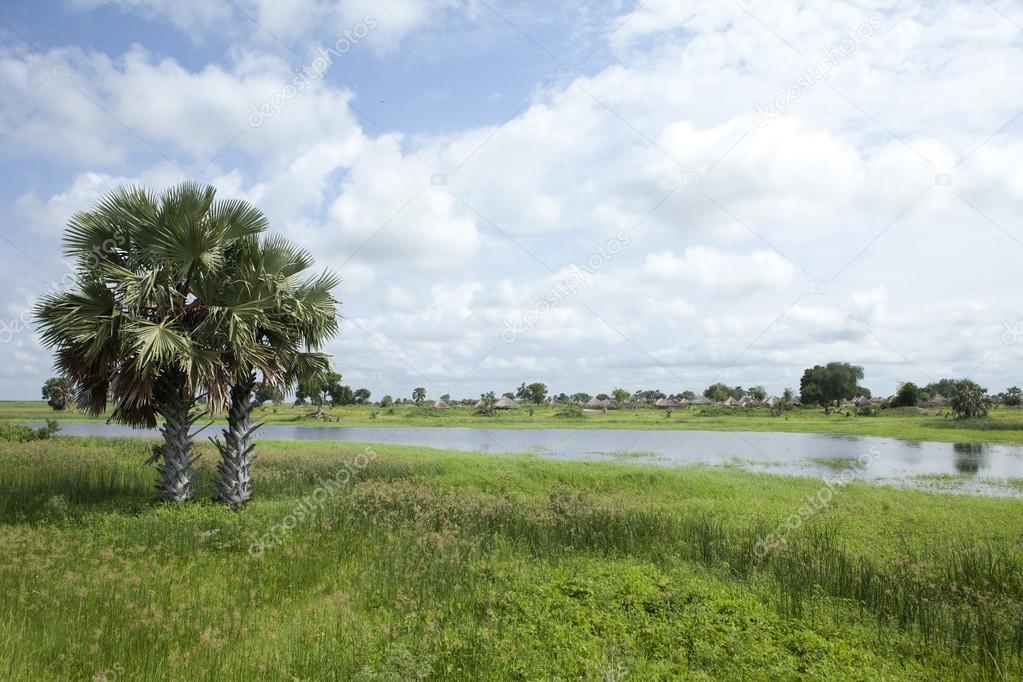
(1004, 425)
(434, 565)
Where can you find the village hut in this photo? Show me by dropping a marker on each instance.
(771, 401)
(596, 403)
(862, 401)
(506, 403)
(731, 402)
(936, 400)
(441, 405)
(667, 403)
(479, 405)
(700, 400)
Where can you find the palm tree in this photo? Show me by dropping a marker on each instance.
(128, 326)
(968, 400)
(265, 318)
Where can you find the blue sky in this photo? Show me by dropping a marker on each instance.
(649, 195)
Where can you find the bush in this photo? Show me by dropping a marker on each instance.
(16, 433)
(570, 411)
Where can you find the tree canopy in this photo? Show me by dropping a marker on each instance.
(827, 385)
(535, 393)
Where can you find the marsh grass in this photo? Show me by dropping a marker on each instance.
(433, 565)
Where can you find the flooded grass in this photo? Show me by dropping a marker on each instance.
(433, 565)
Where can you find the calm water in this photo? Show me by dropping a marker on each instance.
(976, 467)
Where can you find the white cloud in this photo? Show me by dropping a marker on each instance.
(728, 222)
(719, 271)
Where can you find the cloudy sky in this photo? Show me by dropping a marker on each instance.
(659, 194)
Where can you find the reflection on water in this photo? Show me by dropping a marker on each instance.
(801, 454)
(970, 458)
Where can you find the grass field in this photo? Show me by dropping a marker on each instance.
(415, 564)
(1004, 425)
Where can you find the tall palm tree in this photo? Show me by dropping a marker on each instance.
(278, 335)
(129, 325)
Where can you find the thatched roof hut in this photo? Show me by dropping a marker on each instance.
(506, 403)
(731, 402)
(700, 400)
(936, 400)
(862, 401)
(666, 403)
(771, 401)
(441, 405)
(598, 404)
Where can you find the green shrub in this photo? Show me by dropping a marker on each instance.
(16, 433)
(570, 411)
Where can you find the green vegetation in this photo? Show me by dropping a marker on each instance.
(58, 392)
(433, 565)
(827, 385)
(1002, 425)
(16, 433)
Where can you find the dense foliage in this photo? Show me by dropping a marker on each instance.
(829, 384)
(968, 400)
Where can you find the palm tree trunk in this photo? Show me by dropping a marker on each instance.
(234, 479)
(177, 475)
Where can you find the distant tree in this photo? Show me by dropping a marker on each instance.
(58, 392)
(620, 396)
(535, 393)
(446, 397)
(757, 393)
(829, 384)
(783, 403)
(581, 397)
(386, 401)
(687, 395)
(1013, 396)
(603, 396)
(968, 400)
(863, 391)
(908, 395)
(263, 393)
(649, 397)
(942, 386)
(317, 388)
(562, 398)
(488, 401)
(419, 395)
(341, 395)
(362, 395)
(717, 392)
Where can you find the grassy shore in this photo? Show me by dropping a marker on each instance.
(414, 564)
(1004, 425)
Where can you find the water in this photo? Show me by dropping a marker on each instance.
(967, 467)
